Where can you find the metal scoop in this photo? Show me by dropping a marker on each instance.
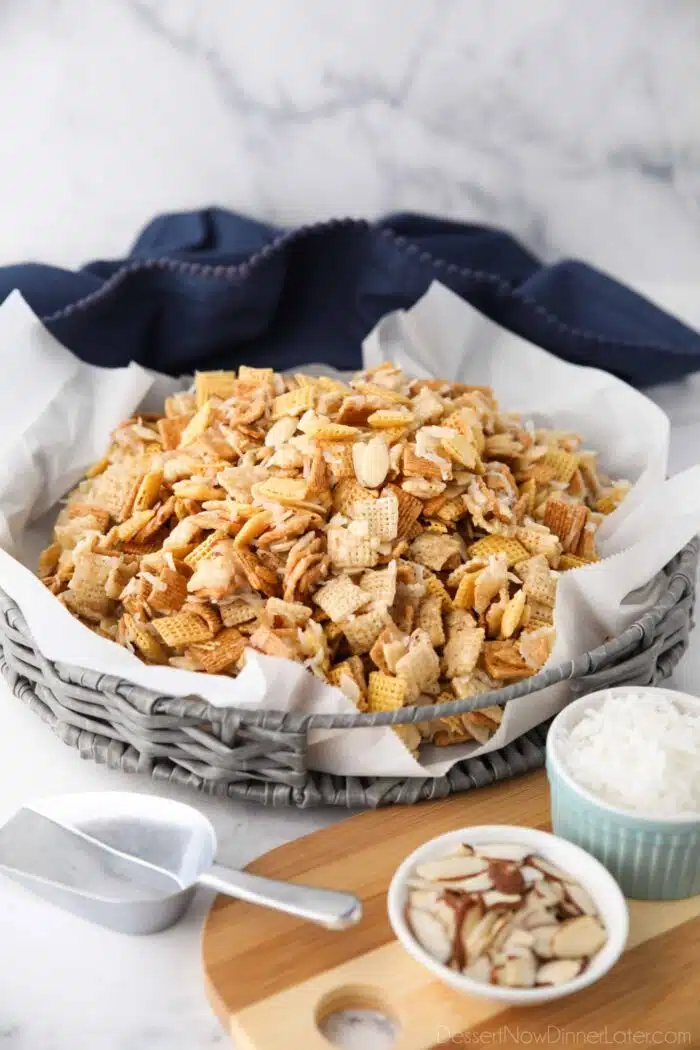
(132, 862)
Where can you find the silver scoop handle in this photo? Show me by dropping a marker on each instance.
(334, 909)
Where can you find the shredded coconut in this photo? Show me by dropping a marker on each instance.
(638, 752)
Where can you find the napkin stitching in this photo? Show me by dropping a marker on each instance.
(242, 271)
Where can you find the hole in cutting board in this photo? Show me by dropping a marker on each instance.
(356, 1018)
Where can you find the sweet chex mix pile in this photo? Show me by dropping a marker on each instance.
(402, 538)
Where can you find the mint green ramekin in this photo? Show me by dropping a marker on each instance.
(651, 858)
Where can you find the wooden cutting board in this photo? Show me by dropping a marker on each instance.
(271, 978)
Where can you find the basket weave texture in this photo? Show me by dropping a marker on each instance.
(262, 755)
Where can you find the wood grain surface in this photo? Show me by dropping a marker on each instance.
(272, 978)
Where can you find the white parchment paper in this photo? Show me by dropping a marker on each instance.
(57, 414)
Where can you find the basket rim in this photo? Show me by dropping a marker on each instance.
(680, 572)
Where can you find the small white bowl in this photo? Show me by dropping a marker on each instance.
(587, 870)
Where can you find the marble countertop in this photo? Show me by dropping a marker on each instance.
(577, 134)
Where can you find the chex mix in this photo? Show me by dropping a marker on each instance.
(402, 538)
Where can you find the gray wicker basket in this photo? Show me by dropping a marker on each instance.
(263, 755)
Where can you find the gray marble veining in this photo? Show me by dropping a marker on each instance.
(575, 126)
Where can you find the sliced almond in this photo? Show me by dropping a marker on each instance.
(502, 851)
(430, 934)
(568, 910)
(503, 936)
(579, 937)
(449, 868)
(371, 462)
(476, 884)
(534, 918)
(496, 899)
(513, 951)
(479, 970)
(530, 874)
(506, 876)
(547, 893)
(424, 899)
(581, 898)
(472, 918)
(463, 849)
(518, 939)
(483, 933)
(559, 971)
(542, 940)
(549, 869)
(519, 971)
(447, 916)
(414, 883)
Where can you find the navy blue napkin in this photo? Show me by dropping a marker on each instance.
(212, 289)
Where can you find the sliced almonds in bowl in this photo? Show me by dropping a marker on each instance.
(503, 915)
(497, 911)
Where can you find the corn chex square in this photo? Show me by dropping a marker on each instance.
(169, 593)
(220, 653)
(430, 619)
(571, 561)
(435, 588)
(340, 598)
(147, 494)
(380, 584)
(115, 489)
(462, 650)
(282, 613)
(286, 491)
(503, 661)
(144, 640)
(347, 493)
(213, 384)
(362, 631)
(435, 551)
(237, 612)
(539, 583)
(89, 580)
(386, 693)
(513, 549)
(351, 550)
(182, 629)
(410, 507)
(567, 520)
(539, 540)
(381, 515)
(295, 403)
(564, 464)
(205, 549)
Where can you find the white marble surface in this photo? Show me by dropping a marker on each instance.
(574, 127)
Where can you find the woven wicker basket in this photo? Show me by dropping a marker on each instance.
(263, 755)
